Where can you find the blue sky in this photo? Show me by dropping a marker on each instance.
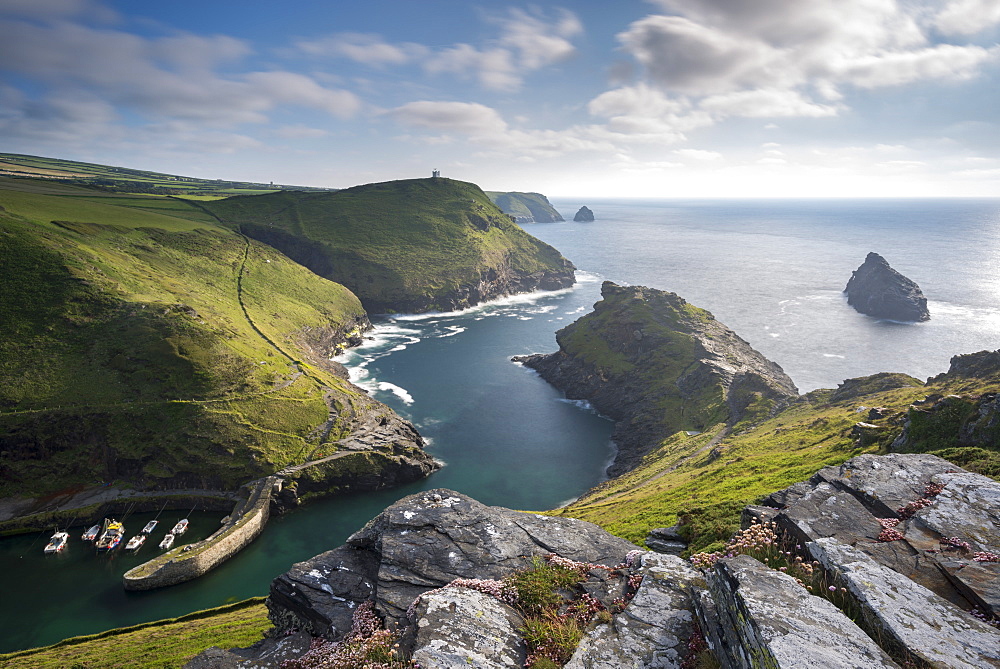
(665, 98)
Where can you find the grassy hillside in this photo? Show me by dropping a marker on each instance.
(158, 645)
(126, 180)
(412, 245)
(526, 207)
(148, 344)
(705, 486)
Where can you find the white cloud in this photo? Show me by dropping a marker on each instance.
(365, 48)
(463, 117)
(967, 17)
(300, 132)
(171, 78)
(772, 58)
(699, 154)
(945, 61)
(764, 103)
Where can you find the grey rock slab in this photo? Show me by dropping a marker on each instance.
(427, 540)
(654, 628)
(459, 627)
(968, 507)
(826, 511)
(769, 620)
(887, 482)
(320, 595)
(926, 625)
(265, 654)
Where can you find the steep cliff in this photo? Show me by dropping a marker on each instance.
(878, 290)
(658, 365)
(526, 207)
(403, 246)
(159, 349)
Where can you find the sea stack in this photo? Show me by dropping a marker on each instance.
(878, 290)
(585, 214)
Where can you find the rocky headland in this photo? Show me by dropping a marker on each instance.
(584, 214)
(876, 289)
(884, 561)
(403, 246)
(658, 365)
(526, 207)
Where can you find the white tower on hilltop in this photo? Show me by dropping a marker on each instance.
(435, 174)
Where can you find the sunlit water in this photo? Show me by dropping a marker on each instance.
(772, 271)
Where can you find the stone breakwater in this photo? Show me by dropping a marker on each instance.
(911, 593)
(188, 562)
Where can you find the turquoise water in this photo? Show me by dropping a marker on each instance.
(772, 271)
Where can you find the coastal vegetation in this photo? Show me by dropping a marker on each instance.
(411, 245)
(154, 645)
(526, 207)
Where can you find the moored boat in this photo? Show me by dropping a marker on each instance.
(180, 528)
(135, 542)
(57, 543)
(111, 537)
(167, 542)
(150, 526)
(91, 534)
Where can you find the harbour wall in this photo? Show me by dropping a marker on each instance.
(188, 562)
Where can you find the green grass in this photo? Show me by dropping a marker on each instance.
(401, 245)
(706, 489)
(158, 645)
(126, 353)
(126, 180)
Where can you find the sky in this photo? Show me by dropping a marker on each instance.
(584, 98)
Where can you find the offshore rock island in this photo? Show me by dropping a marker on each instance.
(878, 290)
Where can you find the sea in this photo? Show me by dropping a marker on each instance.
(772, 270)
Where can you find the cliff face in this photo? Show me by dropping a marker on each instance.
(526, 207)
(403, 246)
(433, 569)
(656, 365)
(878, 290)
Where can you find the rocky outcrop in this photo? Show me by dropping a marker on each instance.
(750, 615)
(656, 365)
(419, 544)
(878, 290)
(915, 514)
(759, 617)
(526, 207)
(584, 215)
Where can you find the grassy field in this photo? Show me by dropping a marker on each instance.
(164, 644)
(706, 488)
(126, 180)
(130, 353)
(397, 245)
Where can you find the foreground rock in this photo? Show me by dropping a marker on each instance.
(657, 365)
(765, 619)
(750, 614)
(421, 543)
(878, 290)
(584, 215)
(944, 516)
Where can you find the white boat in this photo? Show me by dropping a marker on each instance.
(57, 542)
(150, 526)
(135, 542)
(180, 528)
(111, 537)
(167, 542)
(91, 534)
